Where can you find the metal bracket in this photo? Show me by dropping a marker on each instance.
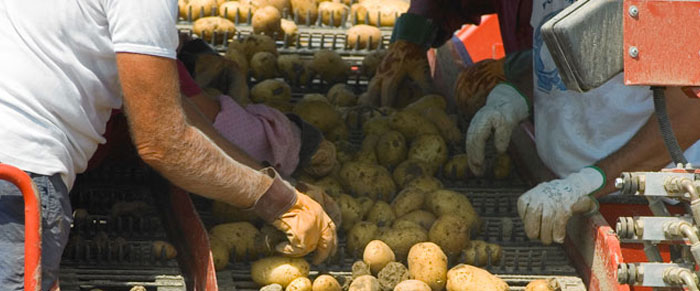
(647, 274)
(648, 228)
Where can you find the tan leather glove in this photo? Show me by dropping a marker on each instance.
(476, 82)
(302, 220)
(323, 160)
(404, 60)
(307, 228)
(319, 195)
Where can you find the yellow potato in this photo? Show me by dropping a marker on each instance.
(443, 202)
(365, 283)
(220, 252)
(541, 285)
(315, 97)
(319, 114)
(376, 126)
(229, 9)
(412, 285)
(425, 183)
(333, 13)
(466, 278)
(326, 283)
(430, 149)
(299, 284)
(360, 235)
(426, 102)
(446, 126)
(371, 62)
(271, 91)
(421, 217)
(363, 36)
(409, 170)
(197, 8)
(381, 214)
(214, 29)
(377, 255)
(280, 270)
(366, 204)
(342, 95)
(331, 185)
(289, 31)
(451, 233)
(408, 199)
(239, 237)
(330, 66)
(427, 263)
(401, 240)
(370, 180)
(267, 21)
(380, 12)
(306, 10)
(264, 66)
(412, 124)
(402, 224)
(391, 149)
(457, 167)
(164, 250)
(478, 252)
(359, 269)
(350, 210)
(281, 5)
(295, 70)
(239, 58)
(252, 44)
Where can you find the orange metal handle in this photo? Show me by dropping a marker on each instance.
(32, 225)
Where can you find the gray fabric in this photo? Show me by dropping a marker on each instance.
(56, 221)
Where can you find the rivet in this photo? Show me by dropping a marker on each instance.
(634, 51)
(633, 11)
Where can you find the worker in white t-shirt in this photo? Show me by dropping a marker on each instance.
(65, 66)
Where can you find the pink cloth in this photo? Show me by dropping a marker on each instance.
(187, 84)
(263, 132)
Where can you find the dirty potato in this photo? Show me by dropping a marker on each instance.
(264, 66)
(271, 91)
(428, 263)
(267, 21)
(363, 36)
(330, 66)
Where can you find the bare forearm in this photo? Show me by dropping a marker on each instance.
(167, 142)
(198, 120)
(646, 150)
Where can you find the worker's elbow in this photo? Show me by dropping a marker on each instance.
(152, 152)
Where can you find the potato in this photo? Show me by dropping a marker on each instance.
(340, 132)
(363, 36)
(381, 214)
(430, 149)
(427, 102)
(331, 185)
(403, 224)
(377, 125)
(289, 31)
(332, 13)
(267, 239)
(391, 275)
(330, 66)
(220, 252)
(360, 268)
(409, 169)
(284, 107)
(457, 167)
(408, 199)
(446, 126)
(371, 62)
(280, 270)
(271, 91)
(252, 44)
(366, 205)
(359, 236)
(214, 29)
(365, 283)
(272, 287)
(326, 283)
(229, 9)
(238, 58)
(466, 278)
(377, 255)
(197, 8)
(294, 70)
(451, 233)
(264, 66)
(307, 10)
(541, 285)
(239, 237)
(369, 180)
(349, 209)
(425, 183)
(319, 114)
(479, 252)
(381, 12)
(421, 217)
(401, 240)
(411, 124)
(224, 212)
(315, 97)
(443, 202)
(341, 95)
(391, 149)
(299, 284)
(412, 285)
(281, 5)
(427, 263)
(164, 250)
(501, 169)
(267, 21)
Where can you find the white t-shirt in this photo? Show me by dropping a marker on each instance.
(58, 74)
(574, 130)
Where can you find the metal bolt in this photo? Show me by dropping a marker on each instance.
(634, 51)
(619, 183)
(633, 11)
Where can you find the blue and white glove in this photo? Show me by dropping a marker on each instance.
(546, 209)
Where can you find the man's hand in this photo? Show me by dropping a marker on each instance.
(505, 108)
(307, 228)
(404, 60)
(546, 209)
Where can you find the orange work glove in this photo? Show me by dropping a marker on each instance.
(476, 82)
(319, 195)
(302, 220)
(404, 60)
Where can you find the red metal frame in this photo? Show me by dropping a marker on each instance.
(32, 224)
(664, 33)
